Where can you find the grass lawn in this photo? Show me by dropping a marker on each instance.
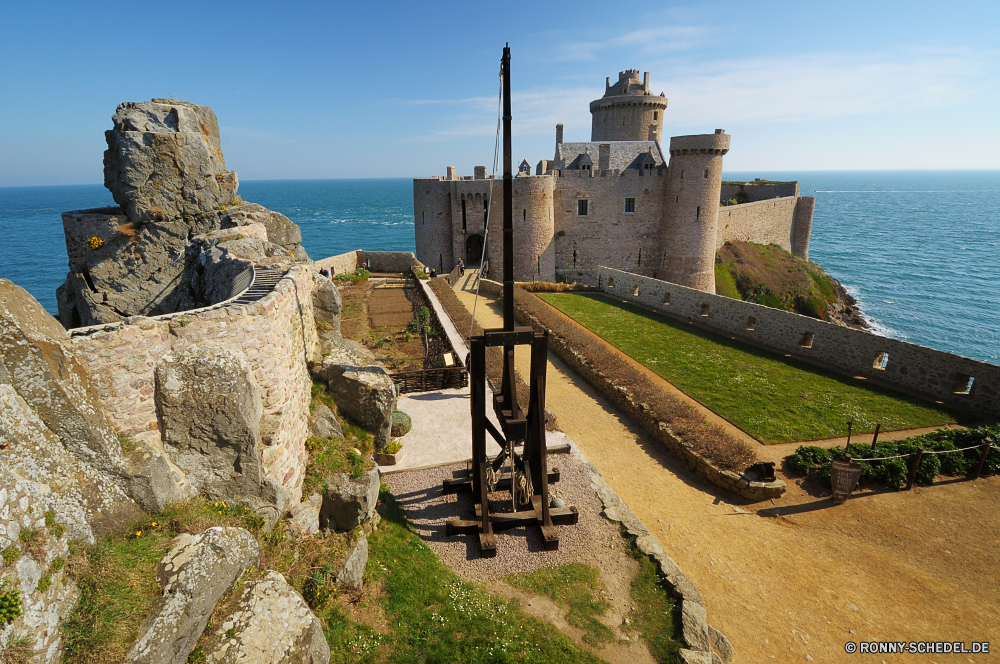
(775, 399)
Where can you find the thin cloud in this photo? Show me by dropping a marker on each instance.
(646, 42)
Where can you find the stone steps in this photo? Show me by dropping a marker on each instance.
(264, 282)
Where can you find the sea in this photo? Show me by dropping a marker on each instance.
(919, 250)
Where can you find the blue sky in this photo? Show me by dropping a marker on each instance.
(332, 90)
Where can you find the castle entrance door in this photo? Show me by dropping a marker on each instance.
(473, 250)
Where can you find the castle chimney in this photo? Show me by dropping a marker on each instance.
(645, 81)
(604, 156)
(451, 173)
(559, 132)
(720, 131)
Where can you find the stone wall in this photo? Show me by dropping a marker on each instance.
(763, 222)
(278, 337)
(918, 370)
(388, 261)
(339, 264)
(607, 235)
(433, 210)
(748, 192)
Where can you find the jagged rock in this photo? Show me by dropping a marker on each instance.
(694, 627)
(695, 656)
(323, 423)
(280, 229)
(50, 379)
(43, 608)
(720, 643)
(353, 575)
(210, 408)
(164, 159)
(304, 517)
(401, 424)
(272, 624)
(194, 575)
(151, 481)
(349, 503)
(363, 390)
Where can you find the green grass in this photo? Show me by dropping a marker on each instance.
(656, 615)
(436, 617)
(773, 398)
(575, 587)
(725, 285)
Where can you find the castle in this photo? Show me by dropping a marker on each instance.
(617, 202)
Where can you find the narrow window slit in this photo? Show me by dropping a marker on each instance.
(807, 340)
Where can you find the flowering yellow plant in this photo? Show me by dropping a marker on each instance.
(96, 242)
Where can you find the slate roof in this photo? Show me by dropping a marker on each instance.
(624, 154)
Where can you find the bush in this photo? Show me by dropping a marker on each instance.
(10, 605)
(893, 472)
(359, 275)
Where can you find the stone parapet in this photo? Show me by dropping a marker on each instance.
(277, 335)
(917, 370)
(700, 143)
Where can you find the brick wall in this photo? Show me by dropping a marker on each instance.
(918, 370)
(277, 335)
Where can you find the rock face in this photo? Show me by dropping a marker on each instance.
(209, 408)
(363, 390)
(273, 624)
(349, 503)
(47, 594)
(164, 159)
(323, 423)
(304, 517)
(164, 167)
(326, 308)
(353, 574)
(198, 570)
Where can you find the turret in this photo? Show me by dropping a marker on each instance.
(691, 218)
(628, 111)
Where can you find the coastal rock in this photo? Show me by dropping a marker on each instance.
(349, 502)
(363, 390)
(196, 572)
(352, 576)
(210, 409)
(164, 160)
(323, 423)
(51, 380)
(304, 517)
(47, 596)
(152, 482)
(280, 229)
(326, 309)
(271, 623)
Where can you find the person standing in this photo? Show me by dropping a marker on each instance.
(461, 267)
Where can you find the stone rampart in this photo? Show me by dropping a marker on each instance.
(930, 374)
(339, 264)
(278, 337)
(388, 261)
(763, 222)
(748, 192)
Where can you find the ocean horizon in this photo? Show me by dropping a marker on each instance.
(917, 249)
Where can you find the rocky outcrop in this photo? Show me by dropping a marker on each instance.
(323, 423)
(303, 519)
(164, 159)
(209, 407)
(352, 576)
(844, 311)
(165, 169)
(35, 569)
(362, 389)
(271, 623)
(349, 502)
(196, 572)
(326, 309)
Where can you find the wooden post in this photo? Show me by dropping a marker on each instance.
(982, 458)
(875, 437)
(850, 425)
(913, 468)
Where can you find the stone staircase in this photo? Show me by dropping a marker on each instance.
(265, 279)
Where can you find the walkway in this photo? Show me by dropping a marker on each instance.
(800, 576)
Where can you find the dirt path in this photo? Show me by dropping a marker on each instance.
(802, 577)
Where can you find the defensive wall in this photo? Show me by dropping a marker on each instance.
(758, 190)
(275, 333)
(374, 261)
(924, 372)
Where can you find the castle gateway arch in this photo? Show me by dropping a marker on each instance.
(473, 250)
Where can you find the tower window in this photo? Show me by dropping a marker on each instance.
(677, 199)
(486, 210)
(697, 213)
(706, 172)
(629, 206)
(581, 207)
(463, 215)
(574, 259)
(655, 114)
(682, 175)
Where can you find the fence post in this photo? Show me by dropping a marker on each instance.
(878, 426)
(982, 459)
(913, 468)
(850, 425)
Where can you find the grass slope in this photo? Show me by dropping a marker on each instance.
(775, 399)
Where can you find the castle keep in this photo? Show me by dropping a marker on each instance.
(618, 201)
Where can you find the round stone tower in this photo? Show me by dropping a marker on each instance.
(534, 228)
(628, 111)
(691, 212)
(432, 223)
